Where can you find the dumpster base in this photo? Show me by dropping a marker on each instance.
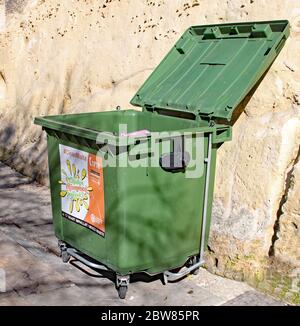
(191, 266)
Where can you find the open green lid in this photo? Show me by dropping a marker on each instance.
(212, 68)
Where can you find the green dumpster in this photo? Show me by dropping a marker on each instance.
(132, 190)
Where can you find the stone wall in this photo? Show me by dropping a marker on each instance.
(83, 55)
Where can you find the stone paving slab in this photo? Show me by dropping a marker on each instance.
(10, 178)
(29, 281)
(25, 274)
(254, 298)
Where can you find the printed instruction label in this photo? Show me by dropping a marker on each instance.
(82, 188)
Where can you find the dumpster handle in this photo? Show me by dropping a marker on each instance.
(170, 276)
(174, 162)
(75, 254)
(204, 218)
(178, 159)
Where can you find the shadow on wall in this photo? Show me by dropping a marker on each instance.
(34, 151)
(241, 107)
(6, 138)
(12, 6)
(21, 150)
(7, 133)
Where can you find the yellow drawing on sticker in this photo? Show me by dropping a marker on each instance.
(83, 174)
(74, 188)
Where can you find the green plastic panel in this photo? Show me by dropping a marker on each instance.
(212, 68)
(152, 217)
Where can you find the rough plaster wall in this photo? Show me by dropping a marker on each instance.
(74, 56)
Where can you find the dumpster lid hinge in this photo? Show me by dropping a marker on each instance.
(205, 117)
(149, 107)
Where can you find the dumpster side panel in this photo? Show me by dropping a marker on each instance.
(162, 217)
(210, 192)
(54, 176)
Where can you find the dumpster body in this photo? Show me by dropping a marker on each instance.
(146, 209)
(145, 218)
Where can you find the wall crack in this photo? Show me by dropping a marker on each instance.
(283, 200)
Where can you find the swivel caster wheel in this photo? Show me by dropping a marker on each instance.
(65, 256)
(122, 283)
(122, 291)
(196, 271)
(194, 260)
(164, 279)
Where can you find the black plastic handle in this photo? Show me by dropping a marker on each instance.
(175, 161)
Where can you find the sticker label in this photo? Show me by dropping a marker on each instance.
(82, 188)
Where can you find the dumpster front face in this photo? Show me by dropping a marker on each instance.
(152, 218)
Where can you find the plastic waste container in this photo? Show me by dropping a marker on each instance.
(112, 212)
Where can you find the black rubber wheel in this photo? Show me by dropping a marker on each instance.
(65, 256)
(194, 260)
(196, 271)
(122, 290)
(164, 280)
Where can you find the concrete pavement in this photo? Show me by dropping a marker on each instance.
(35, 274)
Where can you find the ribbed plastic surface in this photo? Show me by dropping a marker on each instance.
(211, 69)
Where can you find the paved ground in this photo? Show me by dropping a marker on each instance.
(35, 275)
